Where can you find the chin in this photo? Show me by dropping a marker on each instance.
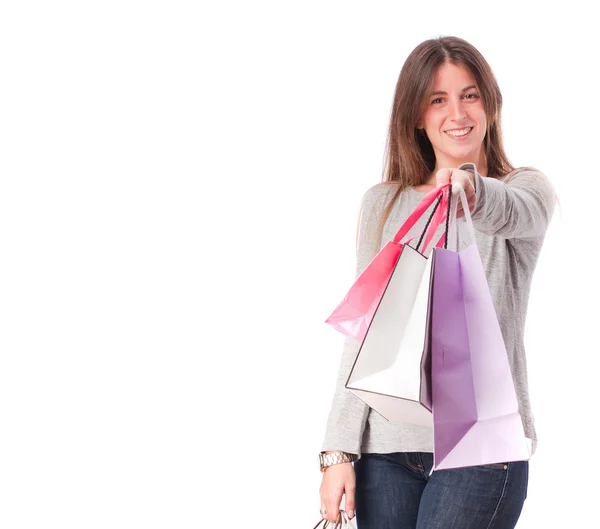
(467, 152)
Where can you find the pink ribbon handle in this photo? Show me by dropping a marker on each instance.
(427, 200)
(438, 218)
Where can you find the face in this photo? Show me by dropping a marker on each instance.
(454, 119)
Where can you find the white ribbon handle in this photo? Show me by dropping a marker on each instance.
(459, 193)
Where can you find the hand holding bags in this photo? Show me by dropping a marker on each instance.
(475, 409)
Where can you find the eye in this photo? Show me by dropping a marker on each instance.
(436, 100)
(472, 96)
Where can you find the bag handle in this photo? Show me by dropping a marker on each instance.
(457, 189)
(342, 521)
(440, 216)
(447, 213)
(437, 218)
(427, 200)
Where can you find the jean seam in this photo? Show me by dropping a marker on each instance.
(499, 501)
(417, 468)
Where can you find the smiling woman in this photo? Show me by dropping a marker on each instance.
(445, 127)
(455, 89)
(454, 120)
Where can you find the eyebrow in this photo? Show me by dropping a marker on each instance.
(441, 92)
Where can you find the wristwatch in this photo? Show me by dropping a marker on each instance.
(326, 460)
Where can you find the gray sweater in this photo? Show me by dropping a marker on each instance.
(511, 216)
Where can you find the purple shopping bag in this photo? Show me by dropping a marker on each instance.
(475, 409)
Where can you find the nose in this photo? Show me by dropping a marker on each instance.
(456, 111)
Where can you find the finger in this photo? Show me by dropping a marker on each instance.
(471, 180)
(459, 210)
(323, 510)
(471, 205)
(443, 177)
(350, 492)
(331, 497)
(471, 194)
(471, 198)
(332, 507)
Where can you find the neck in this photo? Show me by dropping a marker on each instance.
(444, 163)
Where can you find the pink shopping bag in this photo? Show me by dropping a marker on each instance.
(354, 314)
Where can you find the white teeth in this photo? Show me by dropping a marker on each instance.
(460, 132)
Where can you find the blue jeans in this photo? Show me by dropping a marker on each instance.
(395, 491)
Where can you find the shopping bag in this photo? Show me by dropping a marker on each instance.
(355, 312)
(475, 410)
(391, 372)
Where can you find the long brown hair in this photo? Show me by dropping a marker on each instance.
(409, 157)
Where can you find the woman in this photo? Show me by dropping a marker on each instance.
(445, 127)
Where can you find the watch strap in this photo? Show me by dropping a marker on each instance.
(335, 458)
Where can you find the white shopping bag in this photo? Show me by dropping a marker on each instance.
(392, 369)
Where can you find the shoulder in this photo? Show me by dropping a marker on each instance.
(532, 178)
(526, 172)
(379, 195)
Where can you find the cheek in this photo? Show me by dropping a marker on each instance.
(481, 116)
(483, 127)
(432, 120)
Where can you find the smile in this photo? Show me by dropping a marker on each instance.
(459, 133)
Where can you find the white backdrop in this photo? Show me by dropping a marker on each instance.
(180, 184)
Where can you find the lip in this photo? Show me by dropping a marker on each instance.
(460, 128)
(459, 138)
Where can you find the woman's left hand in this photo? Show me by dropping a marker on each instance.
(464, 178)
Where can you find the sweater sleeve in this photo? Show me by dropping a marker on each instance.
(348, 414)
(519, 206)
